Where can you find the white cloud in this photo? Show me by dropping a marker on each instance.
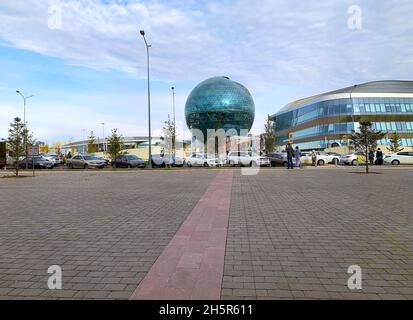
(262, 44)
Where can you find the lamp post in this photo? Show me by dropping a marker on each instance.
(352, 114)
(104, 139)
(174, 136)
(84, 145)
(25, 98)
(142, 32)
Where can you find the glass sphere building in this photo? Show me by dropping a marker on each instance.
(219, 103)
(323, 120)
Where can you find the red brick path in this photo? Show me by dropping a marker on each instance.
(191, 266)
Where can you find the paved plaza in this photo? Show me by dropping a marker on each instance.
(280, 234)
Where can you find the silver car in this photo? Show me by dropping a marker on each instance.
(85, 161)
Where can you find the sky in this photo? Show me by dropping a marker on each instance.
(85, 62)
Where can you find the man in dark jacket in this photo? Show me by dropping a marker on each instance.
(290, 155)
(371, 157)
(379, 157)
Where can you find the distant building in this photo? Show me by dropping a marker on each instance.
(328, 119)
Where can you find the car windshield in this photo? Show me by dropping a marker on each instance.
(132, 158)
(91, 158)
(253, 154)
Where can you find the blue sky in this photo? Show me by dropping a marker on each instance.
(91, 69)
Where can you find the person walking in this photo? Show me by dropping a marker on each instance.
(314, 158)
(371, 156)
(297, 156)
(379, 157)
(290, 155)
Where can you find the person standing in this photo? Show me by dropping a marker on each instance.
(371, 156)
(314, 158)
(290, 155)
(297, 156)
(379, 157)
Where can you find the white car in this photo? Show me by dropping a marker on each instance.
(53, 158)
(402, 157)
(202, 160)
(245, 158)
(327, 157)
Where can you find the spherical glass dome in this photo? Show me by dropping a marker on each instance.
(219, 103)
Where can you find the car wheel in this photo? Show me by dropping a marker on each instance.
(285, 164)
(253, 164)
(354, 162)
(232, 163)
(189, 164)
(206, 164)
(320, 162)
(129, 166)
(70, 166)
(395, 162)
(335, 161)
(85, 166)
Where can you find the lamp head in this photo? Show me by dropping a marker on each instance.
(142, 33)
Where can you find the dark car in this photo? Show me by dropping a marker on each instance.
(128, 161)
(278, 158)
(38, 162)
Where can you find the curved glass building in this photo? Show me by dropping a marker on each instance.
(218, 103)
(320, 121)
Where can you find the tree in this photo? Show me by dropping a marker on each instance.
(16, 142)
(269, 136)
(169, 136)
(115, 146)
(366, 139)
(395, 143)
(91, 144)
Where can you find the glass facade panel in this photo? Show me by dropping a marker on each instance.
(322, 111)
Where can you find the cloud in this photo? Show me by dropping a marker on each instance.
(257, 42)
(303, 46)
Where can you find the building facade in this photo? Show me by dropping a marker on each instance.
(328, 119)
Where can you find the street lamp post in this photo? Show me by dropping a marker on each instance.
(174, 136)
(352, 114)
(25, 125)
(104, 139)
(142, 32)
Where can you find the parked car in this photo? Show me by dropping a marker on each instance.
(128, 161)
(38, 162)
(327, 157)
(278, 158)
(158, 161)
(177, 162)
(84, 161)
(402, 157)
(53, 158)
(354, 158)
(247, 158)
(203, 160)
(107, 162)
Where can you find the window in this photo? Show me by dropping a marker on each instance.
(403, 153)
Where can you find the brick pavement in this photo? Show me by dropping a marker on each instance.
(192, 264)
(293, 234)
(105, 229)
